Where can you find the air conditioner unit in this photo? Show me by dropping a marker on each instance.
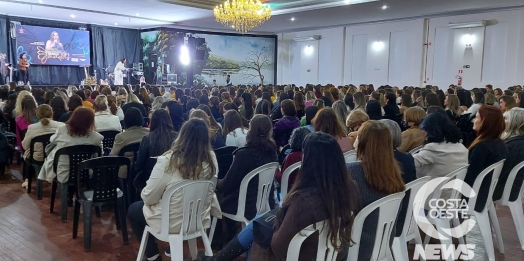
(307, 38)
(467, 25)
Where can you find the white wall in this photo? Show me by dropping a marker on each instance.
(350, 55)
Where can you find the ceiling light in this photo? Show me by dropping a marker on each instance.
(40, 1)
(137, 14)
(72, 16)
(347, 2)
(384, 7)
(292, 18)
(116, 23)
(378, 45)
(243, 14)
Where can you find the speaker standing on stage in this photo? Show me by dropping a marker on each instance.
(23, 66)
(119, 72)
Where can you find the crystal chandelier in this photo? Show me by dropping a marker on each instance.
(242, 15)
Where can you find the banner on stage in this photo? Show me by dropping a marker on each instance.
(53, 46)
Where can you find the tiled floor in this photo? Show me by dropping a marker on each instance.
(29, 232)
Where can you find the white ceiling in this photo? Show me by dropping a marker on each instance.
(308, 14)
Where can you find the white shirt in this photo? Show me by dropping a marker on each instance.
(236, 138)
(105, 121)
(473, 109)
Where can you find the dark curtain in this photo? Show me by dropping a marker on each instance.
(110, 45)
(3, 35)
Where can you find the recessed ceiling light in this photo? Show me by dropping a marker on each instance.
(292, 18)
(40, 1)
(137, 14)
(347, 1)
(384, 7)
(72, 16)
(116, 23)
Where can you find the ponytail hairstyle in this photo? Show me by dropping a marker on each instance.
(111, 102)
(44, 113)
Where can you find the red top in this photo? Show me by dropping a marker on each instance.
(291, 159)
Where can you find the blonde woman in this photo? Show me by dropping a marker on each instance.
(132, 101)
(412, 137)
(453, 109)
(310, 98)
(18, 105)
(354, 121)
(360, 101)
(341, 111)
(104, 119)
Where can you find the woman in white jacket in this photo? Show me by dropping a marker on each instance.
(104, 119)
(190, 158)
(233, 130)
(443, 153)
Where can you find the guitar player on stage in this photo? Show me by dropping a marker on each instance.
(5, 69)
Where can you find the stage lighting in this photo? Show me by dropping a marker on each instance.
(184, 55)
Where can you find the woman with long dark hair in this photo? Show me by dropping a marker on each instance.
(175, 112)
(259, 150)
(487, 149)
(263, 107)
(391, 109)
(154, 144)
(58, 106)
(247, 102)
(323, 184)
(190, 158)
(234, 130)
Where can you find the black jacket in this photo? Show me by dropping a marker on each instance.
(391, 111)
(515, 156)
(481, 156)
(245, 160)
(409, 173)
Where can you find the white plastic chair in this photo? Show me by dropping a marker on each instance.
(483, 217)
(266, 174)
(416, 150)
(350, 156)
(284, 183)
(194, 196)
(445, 224)
(516, 206)
(410, 230)
(387, 215)
(325, 250)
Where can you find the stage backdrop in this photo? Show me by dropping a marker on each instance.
(247, 59)
(53, 46)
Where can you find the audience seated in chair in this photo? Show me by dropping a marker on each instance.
(217, 139)
(190, 158)
(374, 181)
(286, 125)
(104, 119)
(46, 126)
(260, 149)
(354, 121)
(487, 149)
(134, 133)
(412, 137)
(323, 185)
(514, 138)
(78, 130)
(295, 142)
(154, 144)
(74, 102)
(233, 130)
(326, 121)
